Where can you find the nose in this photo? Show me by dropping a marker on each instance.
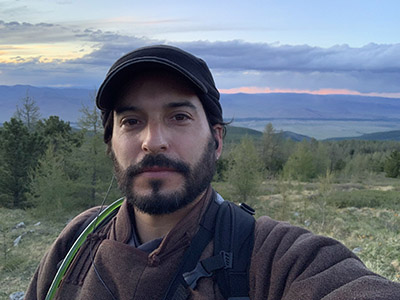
(154, 139)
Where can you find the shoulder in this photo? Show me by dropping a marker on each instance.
(303, 265)
(293, 252)
(285, 239)
(71, 230)
(67, 236)
(276, 232)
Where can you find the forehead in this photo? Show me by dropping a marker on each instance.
(156, 85)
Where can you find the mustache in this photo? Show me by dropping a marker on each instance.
(159, 160)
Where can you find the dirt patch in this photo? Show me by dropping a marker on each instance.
(382, 188)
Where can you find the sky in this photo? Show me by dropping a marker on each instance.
(254, 46)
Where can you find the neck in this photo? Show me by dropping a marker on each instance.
(150, 227)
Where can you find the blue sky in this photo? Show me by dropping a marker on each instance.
(315, 46)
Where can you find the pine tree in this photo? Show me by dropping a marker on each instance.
(28, 112)
(51, 191)
(245, 172)
(392, 165)
(300, 164)
(273, 154)
(309, 160)
(59, 134)
(95, 166)
(20, 149)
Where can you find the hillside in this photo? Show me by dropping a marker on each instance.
(235, 134)
(376, 136)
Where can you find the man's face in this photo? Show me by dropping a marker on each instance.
(163, 149)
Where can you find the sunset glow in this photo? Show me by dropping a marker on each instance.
(43, 53)
(259, 90)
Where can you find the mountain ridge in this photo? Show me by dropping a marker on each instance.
(235, 133)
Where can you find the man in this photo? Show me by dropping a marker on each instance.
(164, 128)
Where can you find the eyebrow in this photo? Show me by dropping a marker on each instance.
(122, 109)
(132, 108)
(181, 104)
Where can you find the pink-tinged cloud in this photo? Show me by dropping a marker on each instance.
(266, 90)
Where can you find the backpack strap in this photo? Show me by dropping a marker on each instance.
(178, 288)
(232, 229)
(233, 241)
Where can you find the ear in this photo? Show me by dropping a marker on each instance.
(218, 134)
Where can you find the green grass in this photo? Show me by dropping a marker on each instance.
(365, 198)
(372, 228)
(18, 263)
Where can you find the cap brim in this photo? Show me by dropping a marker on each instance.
(117, 77)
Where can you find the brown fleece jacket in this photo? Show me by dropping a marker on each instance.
(288, 263)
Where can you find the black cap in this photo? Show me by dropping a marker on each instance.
(191, 67)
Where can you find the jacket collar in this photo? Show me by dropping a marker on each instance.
(184, 229)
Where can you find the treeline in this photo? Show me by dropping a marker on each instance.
(273, 155)
(47, 165)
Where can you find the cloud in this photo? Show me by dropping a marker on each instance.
(373, 68)
(27, 33)
(15, 33)
(230, 55)
(238, 55)
(368, 69)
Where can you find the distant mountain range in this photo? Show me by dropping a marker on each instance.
(329, 116)
(234, 134)
(307, 106)
(63, 102)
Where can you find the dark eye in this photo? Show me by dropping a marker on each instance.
(130, 122)
(180, 117)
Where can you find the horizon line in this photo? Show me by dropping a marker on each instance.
(322, 92)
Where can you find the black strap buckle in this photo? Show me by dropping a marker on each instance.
(193, 276)
(227, 258)
(206, 268)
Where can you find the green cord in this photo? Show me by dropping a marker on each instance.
(78, 243)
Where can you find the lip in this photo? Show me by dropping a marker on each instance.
(157, 169)
(157, 172)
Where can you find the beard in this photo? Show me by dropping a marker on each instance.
(196, 180)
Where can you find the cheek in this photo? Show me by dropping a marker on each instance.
(124, 151)
(187, 151)
(191, 148)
